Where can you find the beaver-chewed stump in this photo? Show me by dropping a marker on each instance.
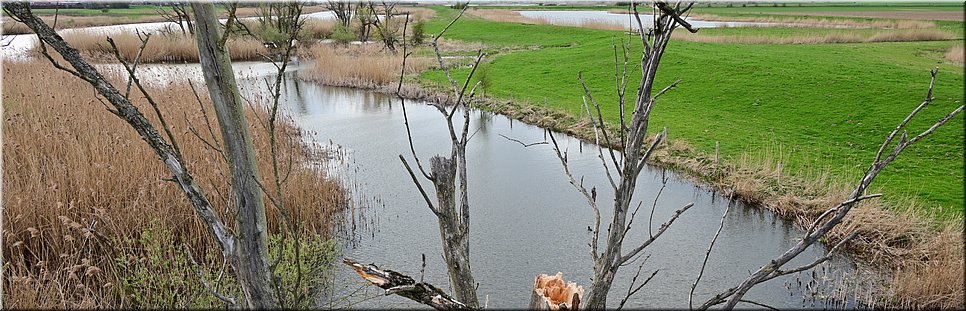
(553, 293)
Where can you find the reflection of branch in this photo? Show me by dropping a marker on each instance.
(397, 283)
(524, 144)
(707, 254)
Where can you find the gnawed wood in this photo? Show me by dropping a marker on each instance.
(553, 293)
(400, 284)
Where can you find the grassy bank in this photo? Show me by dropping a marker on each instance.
(796, 124)
(827, 105)
(89, 220)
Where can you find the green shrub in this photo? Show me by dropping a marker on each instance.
(342, 34)
(419, 30)
(271, 34)
(156, 272)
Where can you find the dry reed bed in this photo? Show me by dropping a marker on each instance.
(955, 54)
(11, 27)
(900, 35)
(820, 22)
(358, 65)
(919, 15)
(80, 186)
(160, 48)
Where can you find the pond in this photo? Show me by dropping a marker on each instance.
(526, 218)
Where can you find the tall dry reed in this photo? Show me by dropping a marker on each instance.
(160, 48)
(80, 188)
(955, 54)
(820, 22)
(363, 65)
(924, 259)
(901, 35)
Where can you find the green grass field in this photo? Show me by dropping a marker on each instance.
(819, 107)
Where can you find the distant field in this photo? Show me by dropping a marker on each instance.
(132, 11)
(844, 7)
(818, 107)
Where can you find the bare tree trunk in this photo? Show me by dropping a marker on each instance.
(250, 259)
(452, 231)
(632, 153)
(342, 11)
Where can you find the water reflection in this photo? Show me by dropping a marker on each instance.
(527, 219)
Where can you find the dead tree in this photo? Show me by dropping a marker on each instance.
(245, 246)
(366, 16)
(342, 10)
(178, 15)
(631, 153)
(444, 173)
(452, 207)
(385, 27)
(836, 214)
(250, 258)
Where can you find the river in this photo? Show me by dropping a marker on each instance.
(526, 218)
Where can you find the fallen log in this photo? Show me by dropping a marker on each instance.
(397, 283)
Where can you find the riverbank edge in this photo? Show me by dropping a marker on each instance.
(892, 245)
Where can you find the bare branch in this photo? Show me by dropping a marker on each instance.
(204, 281)
(707, 254)
(399, 284)
(525, 145)
(660, 231)
(419, 186)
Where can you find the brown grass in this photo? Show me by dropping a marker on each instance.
(955, 54)
(925, 263)
(11, 27)
(920, 15)
(160, 48)
(902, 35)
(511, 16)
(363, 66)
(81, 186)
(820, 22)
(318, 29)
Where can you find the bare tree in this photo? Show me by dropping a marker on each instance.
(452, 208)
(454, 223)
(179, 15)
(250, 257)
(836, 214)
(245, 247)
(385, 26)
(276, 15)
(631, 153)
(366, 16)
(342, 10)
